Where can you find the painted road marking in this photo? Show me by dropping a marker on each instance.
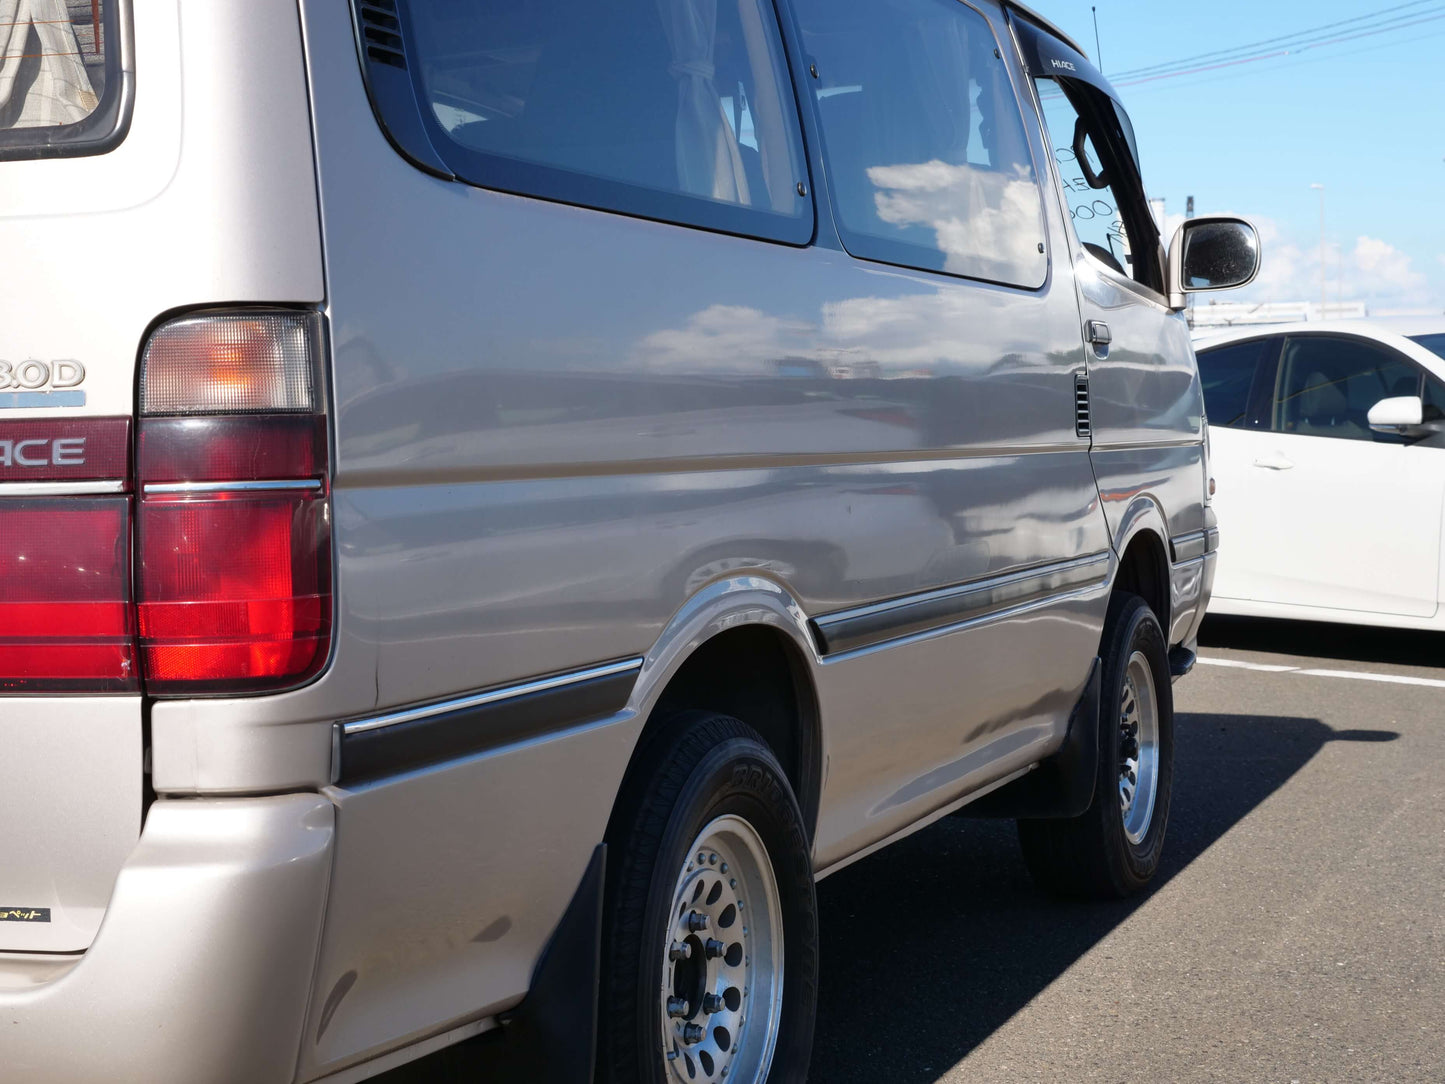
(1354, 675)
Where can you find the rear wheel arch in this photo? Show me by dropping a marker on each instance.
(755, 673)
(1144, 570)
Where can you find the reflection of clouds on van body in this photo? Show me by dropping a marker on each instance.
(987, 223)
(887, 338)
(862, 338)
(730, 338)
(923, 333)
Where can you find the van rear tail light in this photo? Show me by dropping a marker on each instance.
(234, 532)
(66, 620)
(235, 589)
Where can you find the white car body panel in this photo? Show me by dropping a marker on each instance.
(1339, 524)
(1328, 529)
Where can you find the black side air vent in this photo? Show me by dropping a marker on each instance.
(1082, 425)
(381, 32)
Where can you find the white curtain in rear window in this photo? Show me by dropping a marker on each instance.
(39, 33)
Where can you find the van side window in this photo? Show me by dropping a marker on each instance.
(672, 109)
(1103, 191)
(1227, 373)
(924, 144)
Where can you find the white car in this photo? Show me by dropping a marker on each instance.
(1328, 448)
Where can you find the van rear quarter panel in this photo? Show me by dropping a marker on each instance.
(555, 425)
(210, 199)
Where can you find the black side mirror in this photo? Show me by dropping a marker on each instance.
(1214, 253)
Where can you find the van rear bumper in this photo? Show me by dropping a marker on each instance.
(203, 964)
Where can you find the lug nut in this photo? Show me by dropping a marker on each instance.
(679, 950)
(712, 1003)
(678, 1007)
(696, 921)
(714, 949)
(692, 1033)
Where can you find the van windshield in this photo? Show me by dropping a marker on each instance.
(59, 77)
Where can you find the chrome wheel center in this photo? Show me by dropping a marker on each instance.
(1138, 748)
(722, 974)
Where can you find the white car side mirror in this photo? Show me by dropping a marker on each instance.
(1397, 414)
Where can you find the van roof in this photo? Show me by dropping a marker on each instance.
(1033, 16)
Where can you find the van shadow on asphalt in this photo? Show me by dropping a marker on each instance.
(931, 945)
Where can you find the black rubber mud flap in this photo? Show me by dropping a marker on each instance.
(1063, 784)
(551, 1037)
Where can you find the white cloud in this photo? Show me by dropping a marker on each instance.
(1371, 270)
(1386, 270)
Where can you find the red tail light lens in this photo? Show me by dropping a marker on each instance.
(235, 590)
(65, 605)
(233, 532)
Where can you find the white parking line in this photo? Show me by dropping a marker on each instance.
(1263, 667)
(1355, 675)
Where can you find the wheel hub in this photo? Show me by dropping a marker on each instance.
(1138, 748)
(722, 986)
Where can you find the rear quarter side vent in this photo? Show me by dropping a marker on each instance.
(1083, 425)
(381, 32)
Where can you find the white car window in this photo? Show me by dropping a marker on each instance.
(1434, 343)
(1327, 385)
(1227, 373)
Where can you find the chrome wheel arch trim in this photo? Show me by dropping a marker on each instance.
(729, 603)
(1143, 513)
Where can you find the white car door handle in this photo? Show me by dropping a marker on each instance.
(1276, 461)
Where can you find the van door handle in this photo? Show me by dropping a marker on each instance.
(1274, 461)
(1097, 332)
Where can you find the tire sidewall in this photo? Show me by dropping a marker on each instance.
(737, 776)
(1134, 627)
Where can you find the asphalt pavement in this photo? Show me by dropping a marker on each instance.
(1295, 934)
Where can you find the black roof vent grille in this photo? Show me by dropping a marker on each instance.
(1082, 424)
(381, 32)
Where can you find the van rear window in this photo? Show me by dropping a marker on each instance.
(61, 84)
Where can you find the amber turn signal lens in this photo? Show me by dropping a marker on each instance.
(232, 363)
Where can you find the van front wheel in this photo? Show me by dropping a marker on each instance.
(710, 932)
(1113, 848)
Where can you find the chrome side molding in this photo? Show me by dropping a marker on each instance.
(846, 630)
(370, 748)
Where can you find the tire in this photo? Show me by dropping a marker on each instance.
(707, 785)
(1112, 849)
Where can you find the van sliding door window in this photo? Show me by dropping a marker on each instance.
(924, 143)
(62, 91)
(671, 109)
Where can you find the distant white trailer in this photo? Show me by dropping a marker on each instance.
(1235, 314)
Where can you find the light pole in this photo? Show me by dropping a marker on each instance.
(1321, 189)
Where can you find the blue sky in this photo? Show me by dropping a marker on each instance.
(1364, 117)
